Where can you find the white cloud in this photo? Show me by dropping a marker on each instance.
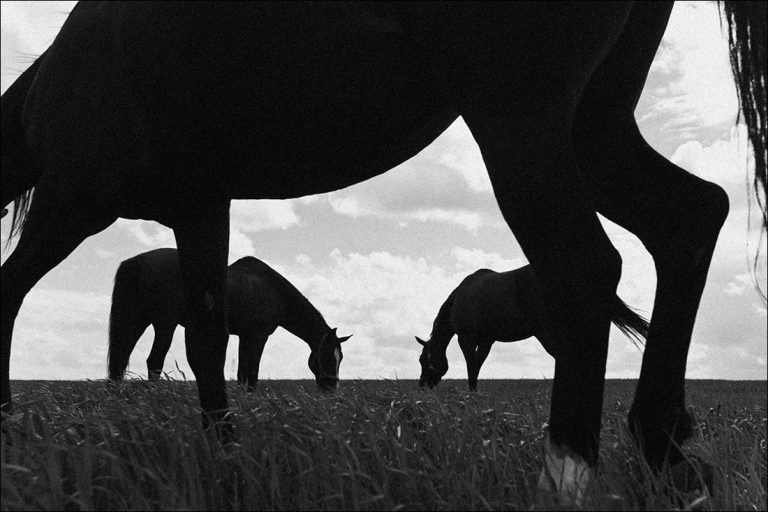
(725, 161)
(264, 214)
(239, 245)
(700, 91)
(150, 234)
(739, 284)
(353, 206)
(105, 254)
(472, 259)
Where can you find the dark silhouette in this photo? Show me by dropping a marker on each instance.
(493, 306)
(167, 111)
(148, 290)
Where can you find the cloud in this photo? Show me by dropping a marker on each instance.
(724, 161)
(692, 73)
(446, 182)
(472, 259)
(240, 245)
(739, 284)
(150, 234)
(262, 215)
(105, 254)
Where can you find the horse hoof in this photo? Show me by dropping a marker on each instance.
(565, 476)
(692, 475)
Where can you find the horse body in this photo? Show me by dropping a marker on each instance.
(148, 290)
(167, 112)
(504, 305)
(490, 306)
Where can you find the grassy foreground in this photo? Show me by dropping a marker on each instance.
(382, 445)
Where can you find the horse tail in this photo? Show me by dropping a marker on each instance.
(747, 39)
(442, 330)
(126, 322)
(634, 326)
(20, 172)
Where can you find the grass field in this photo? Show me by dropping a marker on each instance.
(382, 445)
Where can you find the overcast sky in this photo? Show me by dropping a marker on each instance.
(379, 258)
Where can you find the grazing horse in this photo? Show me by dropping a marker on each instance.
(490, 306)
(167, 111)
(148, 290)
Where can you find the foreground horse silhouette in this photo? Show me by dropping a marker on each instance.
(490, 306)
(148, 290)
(167, 111)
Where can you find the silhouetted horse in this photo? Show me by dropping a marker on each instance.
(148, 290)
(490, 306)
(167, 111)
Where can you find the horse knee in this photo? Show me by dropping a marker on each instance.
(693, 237)
(717, 203)
(604, 271)
(610, 268)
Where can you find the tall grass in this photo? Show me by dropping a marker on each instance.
(380, 445)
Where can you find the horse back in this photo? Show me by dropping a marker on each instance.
(494, 304)
(160, 286)
(256, 297)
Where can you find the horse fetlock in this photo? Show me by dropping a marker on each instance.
(565, 474)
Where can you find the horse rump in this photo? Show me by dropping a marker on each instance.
(127, 320)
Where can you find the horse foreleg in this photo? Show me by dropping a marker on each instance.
(160, 347)
(468, 344)
(249, 357)
(202, 240)
(540, 193)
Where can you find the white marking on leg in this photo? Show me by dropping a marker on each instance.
(567, 475)
(337, 355)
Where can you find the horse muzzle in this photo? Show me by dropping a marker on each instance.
(327, 385)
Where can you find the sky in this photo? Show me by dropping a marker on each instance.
(378, 259)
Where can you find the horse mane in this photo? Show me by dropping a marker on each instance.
(257, 266)
(747, 35)
(442, 330)
(747, 42)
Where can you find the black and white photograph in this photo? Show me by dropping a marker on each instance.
(411, 255)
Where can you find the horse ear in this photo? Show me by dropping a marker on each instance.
(345, 338)
(421, 341)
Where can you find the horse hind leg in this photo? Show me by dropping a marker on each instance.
(56, 224)
(250, 350)
(160, 347)
(123, 335)
(468, 344)
(483, 349)
(676, 215)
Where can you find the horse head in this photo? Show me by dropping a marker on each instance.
(434, 364)
(325, 360)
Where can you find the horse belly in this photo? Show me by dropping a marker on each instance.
(278, 103)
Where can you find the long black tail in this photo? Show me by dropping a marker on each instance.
(634, 326)
(747, 39)
(126, 317)
(20, 173)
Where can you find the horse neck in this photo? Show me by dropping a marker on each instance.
(438, 341)
(303, 320)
